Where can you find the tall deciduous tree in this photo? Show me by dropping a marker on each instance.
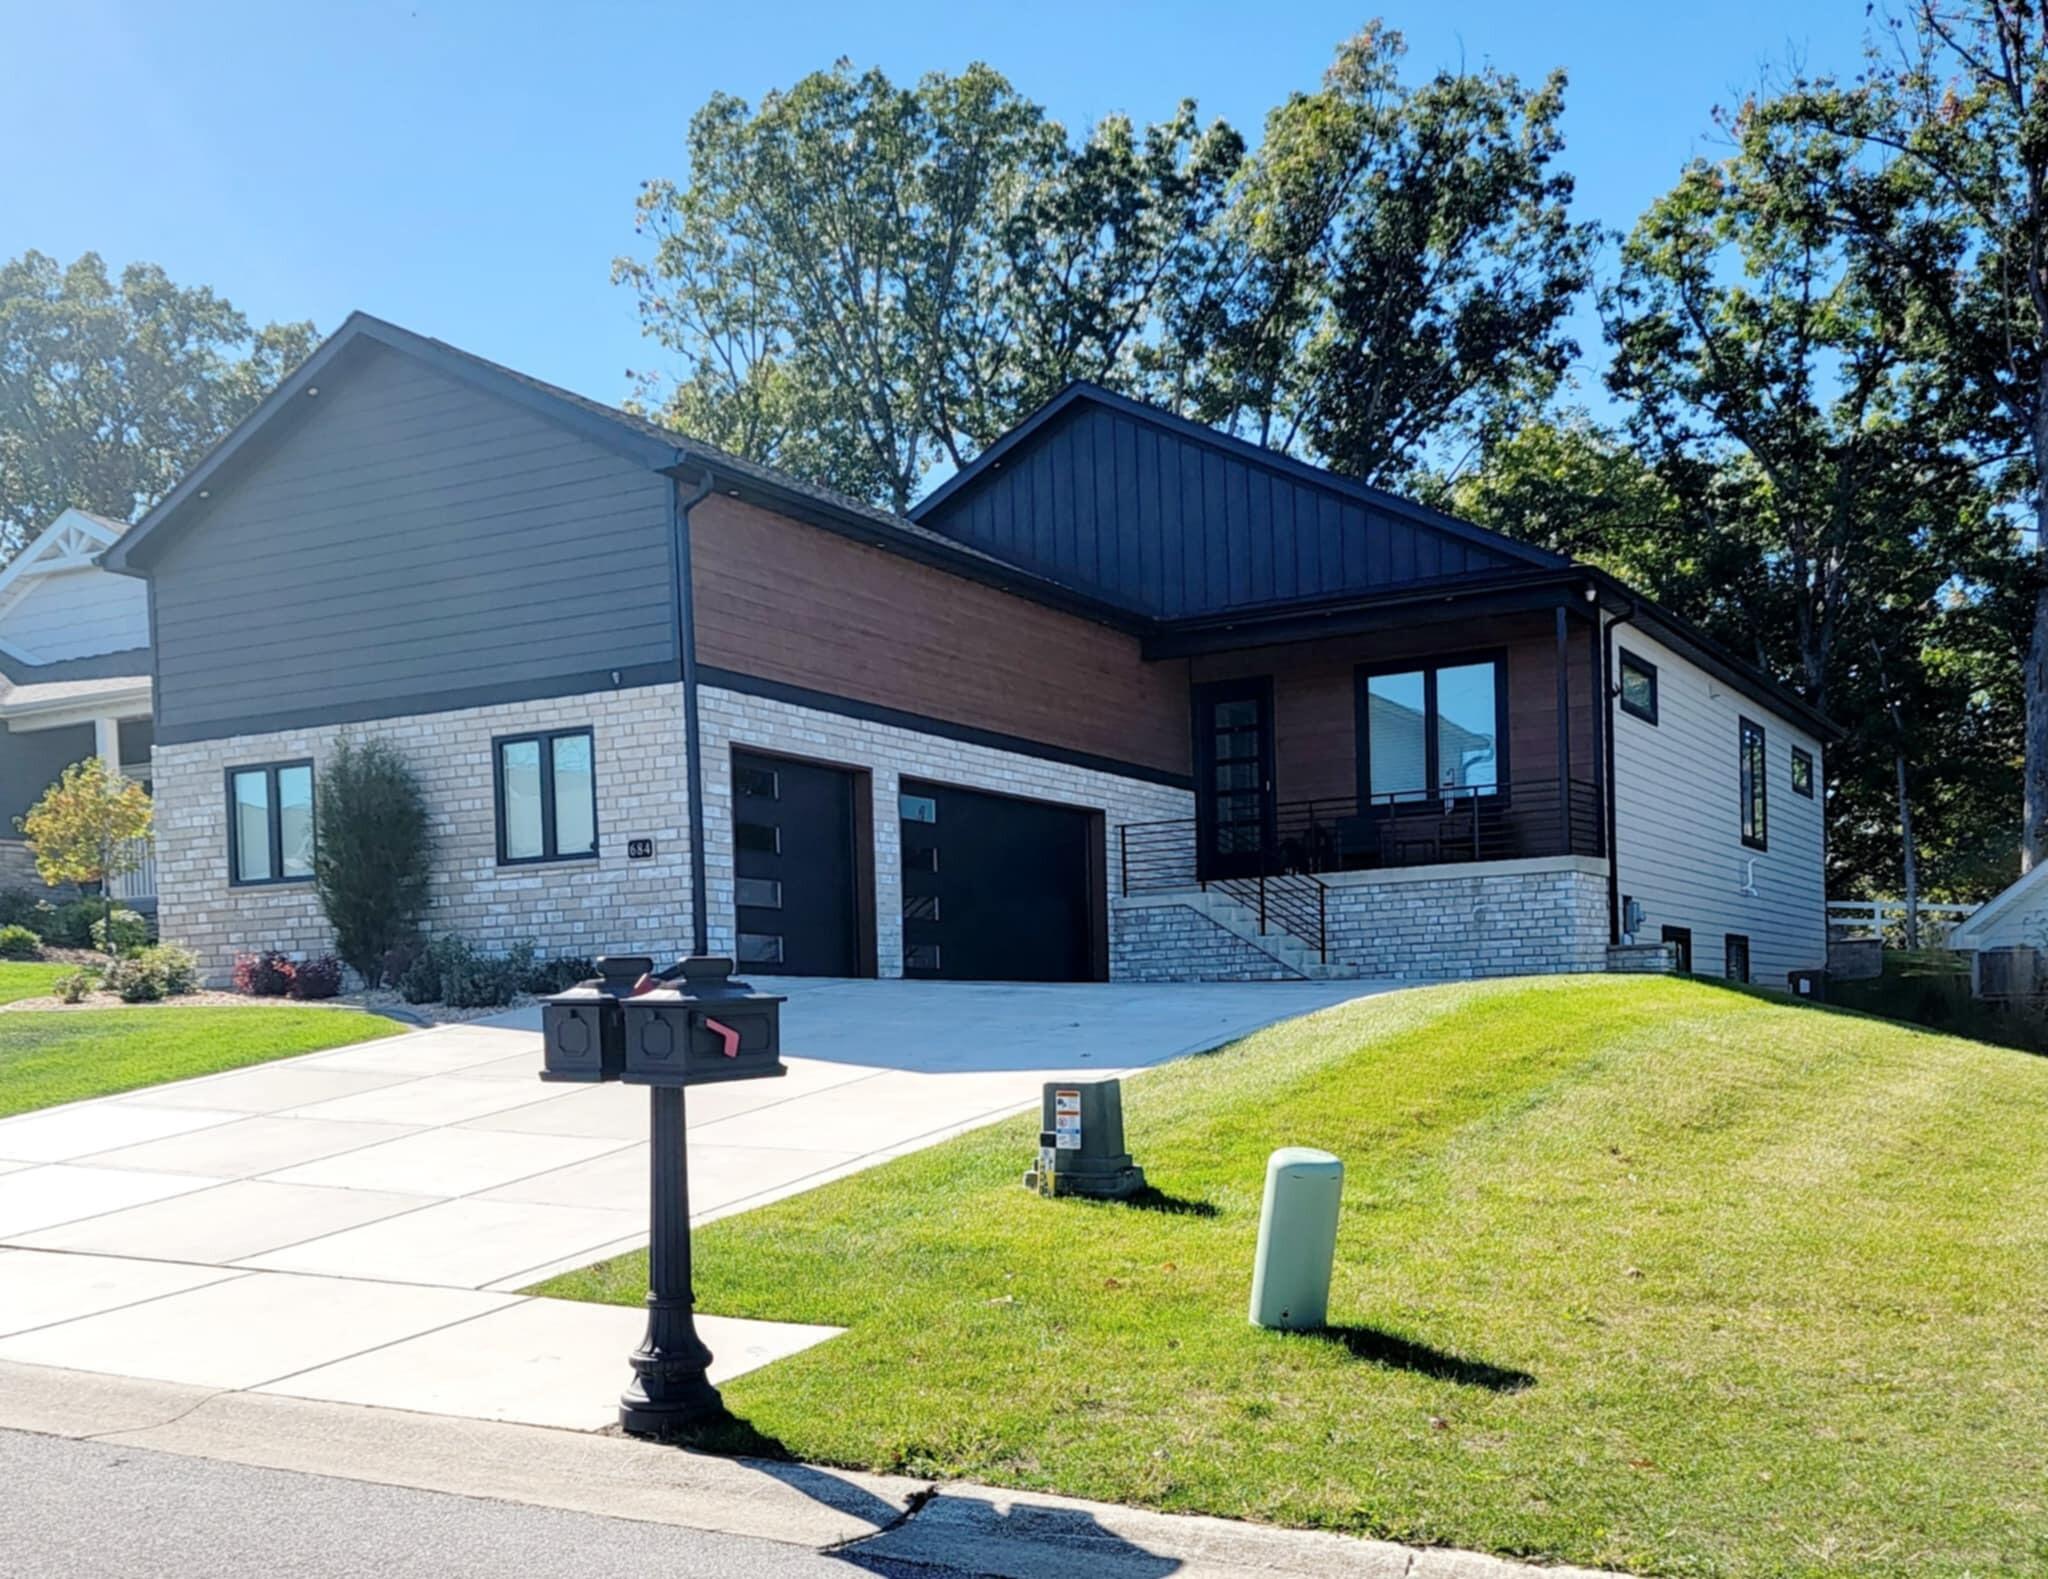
(111, 390)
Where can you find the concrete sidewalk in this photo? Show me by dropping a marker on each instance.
(354, 1225)
(869, 1520)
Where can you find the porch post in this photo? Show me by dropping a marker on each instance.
(1564, 733)
(106, 740)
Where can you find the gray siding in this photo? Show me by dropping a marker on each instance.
(411, 543)
(30, 762)
(1159, 521)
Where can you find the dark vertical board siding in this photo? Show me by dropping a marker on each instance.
(411, 537)
(1147, 516)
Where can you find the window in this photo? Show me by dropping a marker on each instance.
(1639, 687)
(763, 838)
(754, 783)
(920, 907)
(1433, 731)
(547, 797)
(1751, 783)
(270, 823)
(1802, 772)
(1682, 936)
(760, 948)
(917, 808)
(921, 956)
(1735, 957)
(757, 893)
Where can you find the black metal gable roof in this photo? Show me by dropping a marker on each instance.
(1169, 518)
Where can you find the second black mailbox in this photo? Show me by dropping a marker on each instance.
(700, 1026)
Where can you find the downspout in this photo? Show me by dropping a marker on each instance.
(693, 757)
(1613, 750)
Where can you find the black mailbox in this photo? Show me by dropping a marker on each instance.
(583, 1033)
(699, 1026)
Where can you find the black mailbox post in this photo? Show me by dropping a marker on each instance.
(691, 1025)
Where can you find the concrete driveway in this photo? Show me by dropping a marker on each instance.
(353, 1225)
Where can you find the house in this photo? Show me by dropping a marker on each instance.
(1125, 698)
(2006, 939)
(74, 679)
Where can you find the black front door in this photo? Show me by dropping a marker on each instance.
(793, 866)
(1234, 807)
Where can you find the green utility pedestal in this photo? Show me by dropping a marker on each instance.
(1297, 1239)
(1081, 1142)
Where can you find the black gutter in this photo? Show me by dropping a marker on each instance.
(693, 756)
(1610, 691)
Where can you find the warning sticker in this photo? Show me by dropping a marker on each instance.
(1066, 1120)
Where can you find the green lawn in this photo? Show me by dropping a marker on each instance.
(1637, 1273)
(65, 1055)
(19, 980)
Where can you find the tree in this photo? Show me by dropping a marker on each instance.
(372, 852)
(85, 827)
(1950, 112)
(1394, 271)
(109, 393)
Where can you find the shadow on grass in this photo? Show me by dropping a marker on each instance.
(1403, 1354)
(1154, 1200)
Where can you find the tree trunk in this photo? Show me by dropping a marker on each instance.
(1909, 858)
(2034, 810)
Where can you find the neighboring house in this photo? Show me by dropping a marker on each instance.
(2006, 938)
(74, 678)
(1116, 691)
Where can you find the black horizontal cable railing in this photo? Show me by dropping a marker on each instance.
(1539, 817)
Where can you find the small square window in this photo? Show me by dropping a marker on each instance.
(546, 788)
(920, 956)
(1802, 772)
(763, 838)
(924, 860)
(920, 907)
(757, 893)
(917, 808)
(270, 823)
(1638, 687)
(754, 783)
(760, 948)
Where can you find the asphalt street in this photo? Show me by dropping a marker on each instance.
(88, 1510)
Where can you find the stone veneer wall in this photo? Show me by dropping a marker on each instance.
(888, 753)
(1180, 943)
(18, 867)
(1451, 923)
(568, 907)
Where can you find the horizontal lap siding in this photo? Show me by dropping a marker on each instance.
(782, 601)
(411, 539)
(1678, 829)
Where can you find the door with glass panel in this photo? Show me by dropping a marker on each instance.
(1234, 804)
(1432, 736)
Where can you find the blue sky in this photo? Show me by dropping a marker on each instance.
(469, 169)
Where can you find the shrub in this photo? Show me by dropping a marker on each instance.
(372, 851)
(421, 980)
(69, 925)
(179, 968)
(121, 932)
(557, 975)
(265, 975)
(483, 981)
(397, 961)
(17, 942)
(317, 978)
(77, 986)
(21, 907)
(135, 980)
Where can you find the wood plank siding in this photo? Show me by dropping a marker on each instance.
(409, 544)
(786, 602)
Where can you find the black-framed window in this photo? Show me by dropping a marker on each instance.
(1752, 786)
(1638, 687)
(1802, 772)
(270, 823)
(1735, 957)
(546, 796)
(1432, 729)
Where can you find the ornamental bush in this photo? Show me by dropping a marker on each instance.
(120, 932)
(177, 967)
(21, 907)
(136, 980)
(19, 943)
(316, 978)
(265, 975)
(372, 851)
(69, 925)
(77, 986)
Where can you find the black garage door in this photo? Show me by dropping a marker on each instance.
(996, 889)
(794, 866)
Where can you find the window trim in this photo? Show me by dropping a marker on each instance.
(545, 739)
(1801, 754)
(1429, 666)
(1753, 785)
(1625, 662)
(1728, 942)
(273, 817)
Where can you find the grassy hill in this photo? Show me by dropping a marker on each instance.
(1637, 1273)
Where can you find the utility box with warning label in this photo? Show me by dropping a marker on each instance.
(1081, 1142)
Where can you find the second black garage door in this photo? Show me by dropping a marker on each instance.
(997, 889)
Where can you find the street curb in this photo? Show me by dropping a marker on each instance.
(987, 1531)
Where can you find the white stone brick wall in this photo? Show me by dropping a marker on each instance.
(611, 904)
(1180, 943)
(890, 754)
(1451, 923)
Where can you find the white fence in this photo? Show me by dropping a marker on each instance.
(1886, 918)
(141, 882)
